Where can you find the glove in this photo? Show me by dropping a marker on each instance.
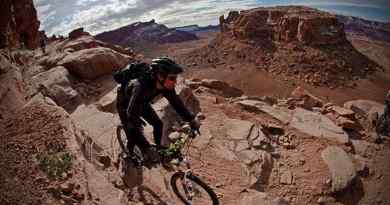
(195, 124)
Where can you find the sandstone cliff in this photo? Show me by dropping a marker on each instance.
(293, 42)
(19, 24)
(286, 24)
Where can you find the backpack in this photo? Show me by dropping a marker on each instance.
(131, 71)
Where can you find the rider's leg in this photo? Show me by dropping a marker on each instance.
(152, 118)
(137, 135)
(134, 133)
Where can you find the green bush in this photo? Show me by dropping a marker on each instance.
(55, 164)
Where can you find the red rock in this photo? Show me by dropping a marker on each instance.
(343, 111)
(78, 33)
(346, 123)
(309, 100)
(19, 24)
(94, 62)
(286, 24)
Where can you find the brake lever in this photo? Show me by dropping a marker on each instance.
(194, 133)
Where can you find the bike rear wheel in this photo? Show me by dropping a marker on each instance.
(201, 193)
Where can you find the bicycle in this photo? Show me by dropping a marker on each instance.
(188, 187)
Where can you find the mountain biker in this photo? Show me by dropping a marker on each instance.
(134, 104)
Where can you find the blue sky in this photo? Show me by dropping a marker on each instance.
(60, 16)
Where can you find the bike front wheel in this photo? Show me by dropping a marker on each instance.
(192, 191)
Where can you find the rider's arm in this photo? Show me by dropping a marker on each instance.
(178, 105)
(133, 90)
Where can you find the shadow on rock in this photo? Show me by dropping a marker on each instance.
(353, 194)
(147, 196)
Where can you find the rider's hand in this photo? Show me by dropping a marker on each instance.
(195, 124)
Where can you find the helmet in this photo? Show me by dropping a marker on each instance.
(166, 66)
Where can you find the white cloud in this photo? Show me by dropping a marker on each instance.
(60, 17)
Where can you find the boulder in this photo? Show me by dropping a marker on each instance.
(281, 114)
(88, 41)
(238, 129)
(259, 139)
(94, 62)
(341, 167)
(344, 112)
(80, 43)
(108, 102)
(364, 107)
(308, 100)
(51, 60)
(267, 99)
(317, 125)
(347, 123)
(39, 97)
(55, 83)
(77, 33)
(311, 123)
(221, 87)
(367, 112)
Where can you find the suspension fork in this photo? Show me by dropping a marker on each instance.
(187, 182)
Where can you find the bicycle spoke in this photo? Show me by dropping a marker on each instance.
(193, 193)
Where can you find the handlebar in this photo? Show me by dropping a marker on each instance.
(183, 141)
(194, 132)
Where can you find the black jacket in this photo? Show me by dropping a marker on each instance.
(139, 93)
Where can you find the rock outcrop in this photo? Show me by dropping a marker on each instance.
(77, 33)
(367, 112)
(308, 26)
(94, 62)
(306, 99)
(341, 167)
(12, 88)
(306, 121)
(55, 83)
(293, 43)
(19, 24)
(216, 86)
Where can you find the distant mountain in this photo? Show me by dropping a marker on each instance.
(196, 28)
(372, 29)
(143, 34)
